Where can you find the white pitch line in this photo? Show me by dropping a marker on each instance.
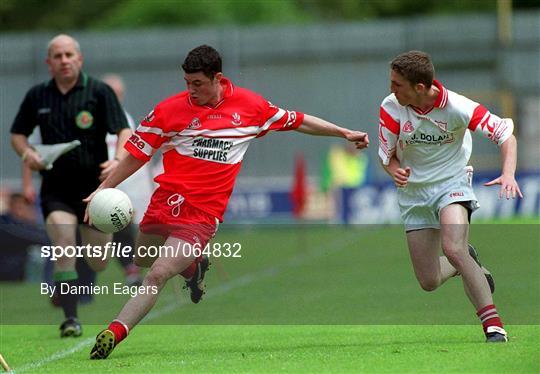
(244, 280)
(56, 356)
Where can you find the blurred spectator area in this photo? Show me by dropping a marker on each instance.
(20, 236)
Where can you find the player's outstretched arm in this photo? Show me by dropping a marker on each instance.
(316, 126)
(507, 180)
(123, 136)
(126, 167)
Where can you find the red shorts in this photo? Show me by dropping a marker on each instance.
(169, 214)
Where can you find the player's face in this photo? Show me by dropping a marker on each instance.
(203, 90)
(64, 60)
(402, 89)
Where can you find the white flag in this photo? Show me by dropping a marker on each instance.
(50, 152)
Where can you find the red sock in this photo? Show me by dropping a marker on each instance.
(190, 270)
(489, 317)
(119, 329)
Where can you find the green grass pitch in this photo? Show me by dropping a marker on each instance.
(301, 298)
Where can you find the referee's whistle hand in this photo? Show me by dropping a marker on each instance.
(33, 160)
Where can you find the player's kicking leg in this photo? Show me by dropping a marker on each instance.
(454, 237)
(162, 269)
(193, 274)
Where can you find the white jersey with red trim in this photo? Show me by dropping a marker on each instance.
(203, 146)
(436, 144)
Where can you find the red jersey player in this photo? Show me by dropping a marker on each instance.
(203, 133)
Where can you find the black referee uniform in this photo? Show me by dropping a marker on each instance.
(87, 112)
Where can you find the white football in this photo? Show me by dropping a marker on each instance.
(110, 210)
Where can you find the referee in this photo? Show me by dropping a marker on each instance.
(70, 106)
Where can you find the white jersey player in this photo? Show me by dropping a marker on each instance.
(437, 140)
(425, 145)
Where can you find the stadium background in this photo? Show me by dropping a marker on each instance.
(308, 277)
(337, 71)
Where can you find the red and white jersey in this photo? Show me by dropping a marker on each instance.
(203, 146)
(436, 144)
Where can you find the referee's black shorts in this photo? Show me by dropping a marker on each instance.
(66, 196)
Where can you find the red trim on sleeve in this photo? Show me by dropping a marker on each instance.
(136, 152)
(479, 113)
(154, 140)
(390, 123)
(289, 121)
(299, 120)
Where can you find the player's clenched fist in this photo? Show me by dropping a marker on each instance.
(360, 139)
(401, 176)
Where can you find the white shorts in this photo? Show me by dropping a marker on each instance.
(420, 205)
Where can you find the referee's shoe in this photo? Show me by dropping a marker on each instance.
(474, 254)
(71, 327)
(196, 282)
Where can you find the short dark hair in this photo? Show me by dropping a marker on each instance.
(203, 58)
(415, 66)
